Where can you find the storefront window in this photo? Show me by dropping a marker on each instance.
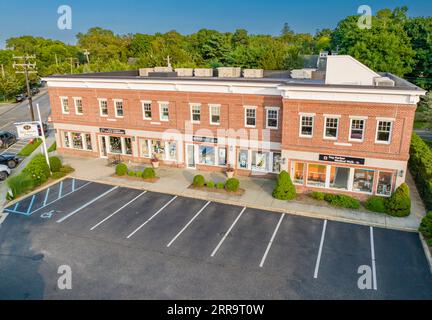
(299, 172)
(277, 157)
(222, 156)
(339, 177)
(158, 149)
(243, 159)
(77, 140)
(128, 145)
(66, 140)
(316, 175)
(172, 150)
(144, 147)
(207, 155)
(88, 142)
(115, 145)
(385, 181)
(363, 180)
(260, 161)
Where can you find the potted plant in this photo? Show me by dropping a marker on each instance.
(155, 161)
(230, 172)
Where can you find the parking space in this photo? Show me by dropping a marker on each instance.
(314, 258)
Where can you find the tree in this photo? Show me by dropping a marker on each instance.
(284, 189)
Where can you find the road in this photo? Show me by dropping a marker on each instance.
(424, 134)
(19, 112)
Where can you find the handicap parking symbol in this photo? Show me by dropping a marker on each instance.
(47, 215)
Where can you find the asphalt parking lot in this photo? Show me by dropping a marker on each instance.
(124, 243)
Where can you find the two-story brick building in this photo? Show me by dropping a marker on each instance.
(344, 129)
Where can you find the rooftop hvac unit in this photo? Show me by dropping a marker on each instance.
(201, 72)
(384, 82)
(229, 72)
(302, 73)
(144, 72)
(184, 72)
(163, 69)
(253, 73)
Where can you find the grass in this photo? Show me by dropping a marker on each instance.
(53, 147)
(29, 148)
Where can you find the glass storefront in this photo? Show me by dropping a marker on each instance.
(243, 159)
(277, 161)
(158, 149)
(363, 180)
(115, 145)
(206, 155)
(222, 156)
(172, 151)
(339, 177)
(88, 142)
(298, 172)
(385, 182)
(128, 146)
(77, 141)
(261, 161)
(317, 175)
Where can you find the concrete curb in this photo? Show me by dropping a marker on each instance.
(426, 251)
(3, 217)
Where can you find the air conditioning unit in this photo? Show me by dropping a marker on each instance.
(229, 72)
(384, 82)
(163, 69)
(253, 73)
(184, 72)
(203, 72)
(144, 72)
(302, 73)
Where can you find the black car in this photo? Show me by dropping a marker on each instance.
(20, 97)
(9, 160)
(34, 91)
(7, 139)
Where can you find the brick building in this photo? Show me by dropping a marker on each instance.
(341, 127)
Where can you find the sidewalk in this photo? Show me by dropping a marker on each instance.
(258, 194)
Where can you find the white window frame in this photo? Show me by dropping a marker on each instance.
(277, 109)
(62, 105)
(143, 105)
(309, 115)
(390, 133)
(246, 108)
(377, 182)
(75, 99)
(192, 106)
(326, 117)
(100, 100)
(373, 180)
(211, 106)
(249, 164)
(163, 104)
(364, 119)
(115, 108)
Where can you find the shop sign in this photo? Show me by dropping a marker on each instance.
(27, 130)
(112, 131)
(341, 159)
(204, 139)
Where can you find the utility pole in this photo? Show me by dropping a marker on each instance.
(26, 67)
(56, 59)
(87, 53)
(3, 72)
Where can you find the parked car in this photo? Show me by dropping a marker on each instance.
(7, 139)
(20, 97)
(34, 91)
(4, 172)
(10, 160)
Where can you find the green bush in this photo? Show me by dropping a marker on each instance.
(58, 175)
(399, 204)
(131, 174)
(376, 204)
(29, 148)
(149, 173)
(38, 169)
(317, 195)
(232, 185)
(53, 147)
(139, 174)
(198, 181)
(67, 169)
(342, 201)
(55, 164)
(220, 185)
(210, 184)
(121, 169)
(284, 189)
(19, 185)
(426, 225)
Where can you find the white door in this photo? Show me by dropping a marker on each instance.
(190, 156)
(103, 147)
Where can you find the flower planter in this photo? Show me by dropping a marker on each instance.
(230, 174)
(155, 164)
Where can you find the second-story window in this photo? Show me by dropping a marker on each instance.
(78, 106)
(164, 111)
(214, 114)
(196, 113)
(272, 118)
(147, 112)
(331, 127)
(384, 129)
(306, 126)
(357, 129)
(119, 108)
(250, 117)
(103, 107)
(65, 105)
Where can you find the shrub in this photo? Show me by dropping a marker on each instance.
(53, 147)
(210, 184)
(139, 174)
(284, 189)
(58, 175)
(29, 148)
(342, 201)
(399, 204)
(149, 173)
(19, 185)
(426, 225)
(220, 185)
(38, 169)
(232, 185)
(317, 195)
(198, 181)
(67, 169)
(131, 174)
(121, 169)
(376, 204)
(55, 164)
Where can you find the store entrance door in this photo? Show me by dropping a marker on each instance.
(103, 147)
(190, 156)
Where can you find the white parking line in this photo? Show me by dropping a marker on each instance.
(188, 224)
(152, 217)
(320, 250)
(117, 211)
(86, 205)
(375, 286)
(271, 241)
(227, 233)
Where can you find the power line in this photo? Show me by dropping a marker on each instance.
(26, 65)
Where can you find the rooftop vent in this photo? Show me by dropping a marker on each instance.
(229, 72)
(305, 73)
(163, 69)
(201, 72)
(253, 73)
(384, 82)
(144, 72)
(184, 72)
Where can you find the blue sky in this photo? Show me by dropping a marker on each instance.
(39, 18)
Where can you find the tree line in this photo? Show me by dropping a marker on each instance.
(396, 43)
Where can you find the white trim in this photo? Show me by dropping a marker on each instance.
(62, 105)
(143, 103)
(307, 114)
(75, 99)
(277, 109)
(115, 107)
(246, 108)
(332, 115)
(391, 183)
(191, 107)
(390, 133)
(301, 125)
(359, 117)
(385, 119)
(326, 117)
(211, 106)
(100, 107)
(163, 104)
(364, 119)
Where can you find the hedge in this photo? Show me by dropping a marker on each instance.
(376, 204)
(53, 147)
(284, 189)
(399, 204)
(210, 184)
(38, 169)
(232, 185)
(121, 169)
(420, 165)
(198, 181)
(342, 201)
(148, 173)
(19, 185)
(220, 185)
(30, 147)
(317, 195)
(426, 225)
(55, 164)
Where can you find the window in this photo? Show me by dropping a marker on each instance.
(77, 140)
(243, 159)
(119, 108)
(306, 127)
(357, 129)
(144, 147)
(78, 106)
(385, 184)
(331, 128)
(128, 145)
(206, 155)
(272, 118)
(172, 150)
(384, 129)
(250, 117)
(298, 174)
(158, 149)
(65, 105)
(277, 161)
(339, 177)
(103, 107)
(222, 156)
(164, 111)
(115, 145)
(66, 140)
(363, 180)
(316, 175)
(88, 142)
(147, 111)
(261, 161)
(196, 113)
(214, 114)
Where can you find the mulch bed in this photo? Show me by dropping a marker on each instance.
(151, 180)
(239, 192)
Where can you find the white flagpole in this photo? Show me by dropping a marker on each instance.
(43, 136)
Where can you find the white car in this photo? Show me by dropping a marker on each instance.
(4, 172)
